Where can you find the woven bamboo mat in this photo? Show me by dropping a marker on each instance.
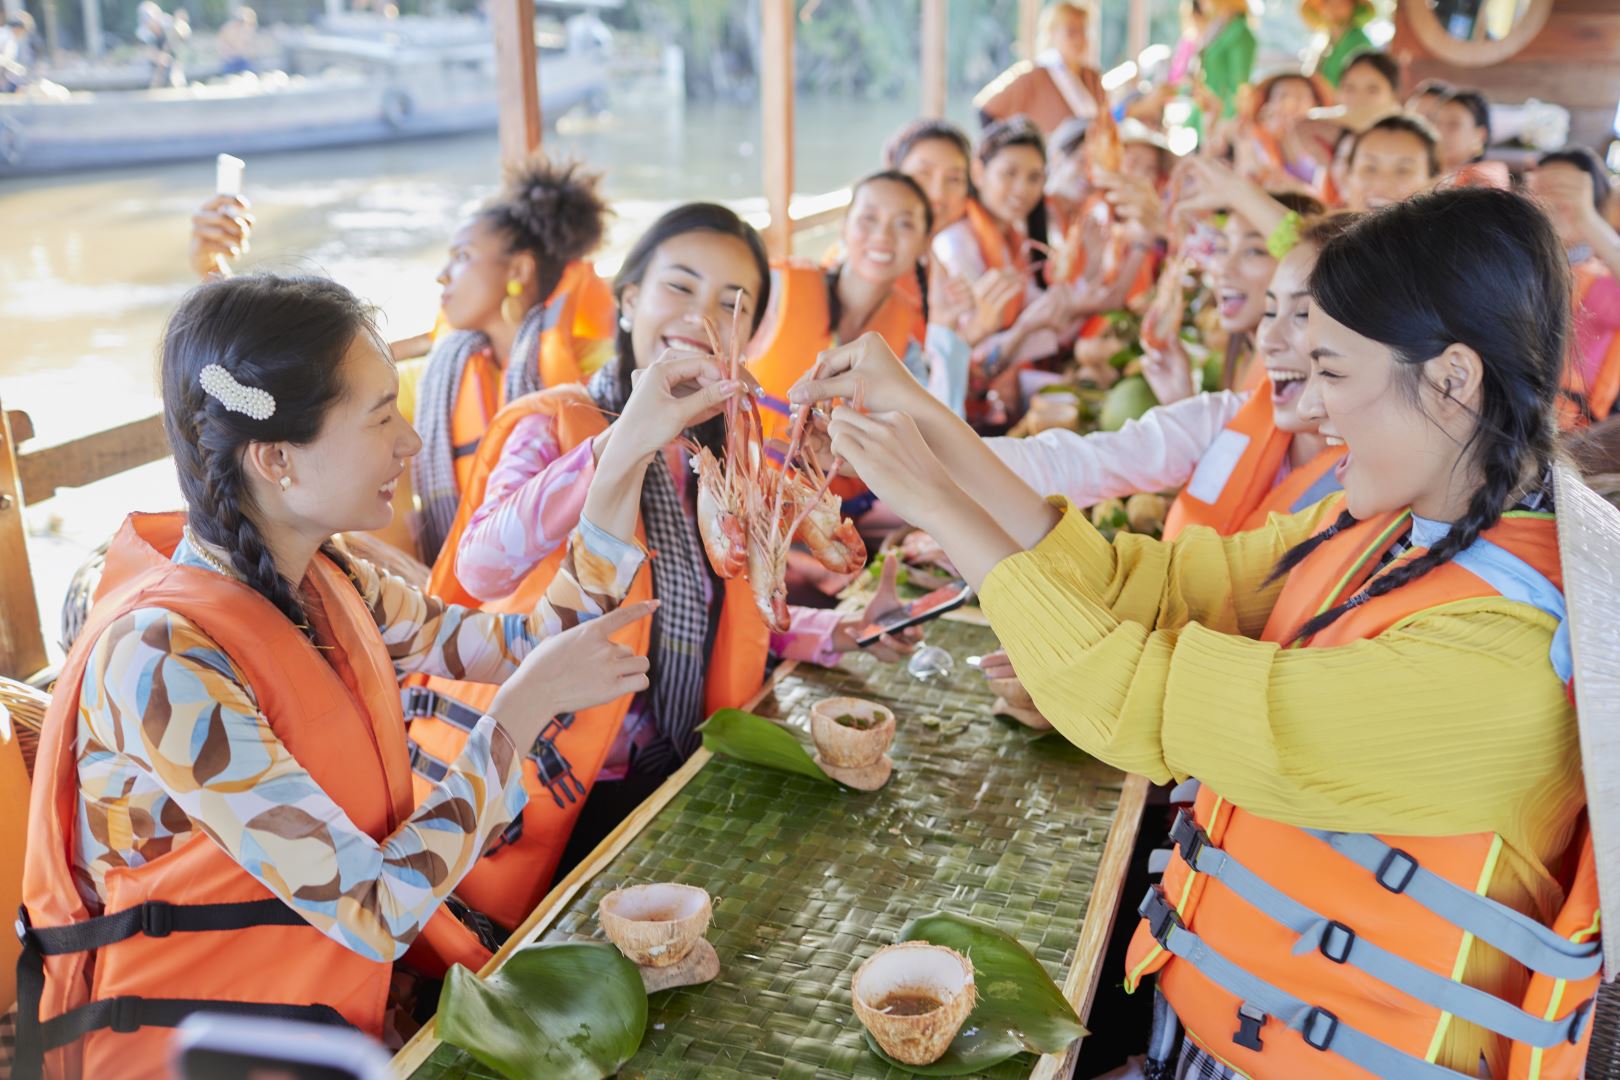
(809, 880)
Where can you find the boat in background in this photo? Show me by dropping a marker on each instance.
(354, 79)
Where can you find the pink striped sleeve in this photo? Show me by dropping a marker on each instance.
(534, 498)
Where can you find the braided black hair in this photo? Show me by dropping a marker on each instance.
(1472, 266)
(284, 335)
(835, 306)
(552, 211)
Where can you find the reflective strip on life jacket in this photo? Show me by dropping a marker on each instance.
(1230, 865)
(1320, 1029)
(1495, 924)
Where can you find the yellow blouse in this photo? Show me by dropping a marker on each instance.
(1453, 722)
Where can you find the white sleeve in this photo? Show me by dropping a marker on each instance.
(1156, 453)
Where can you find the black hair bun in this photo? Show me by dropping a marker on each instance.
(554, 210)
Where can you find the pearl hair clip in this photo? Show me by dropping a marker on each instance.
(250, 401)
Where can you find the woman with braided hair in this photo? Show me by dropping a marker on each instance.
(1386, 870)
(225, 749)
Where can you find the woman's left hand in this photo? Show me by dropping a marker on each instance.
(890, 647)
(892, 458)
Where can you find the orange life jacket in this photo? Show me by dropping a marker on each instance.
(1291, 952)
(798, 326)
(580, 309)
(1579, 399)
(509, 880)
(999, 246)
(191, 930)
(1235, 487)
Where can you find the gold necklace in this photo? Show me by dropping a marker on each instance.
(208, 556)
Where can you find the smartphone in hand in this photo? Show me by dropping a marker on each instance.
(920, 610)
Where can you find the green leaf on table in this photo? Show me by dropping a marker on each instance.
(1019, 1009)
(754, 739)
(574, 1011)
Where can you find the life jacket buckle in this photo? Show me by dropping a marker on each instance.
(1319, 1028)
(22, 926)
(418, 702)
(125, 1015)
(1189, 836)
(1159, 913)
(1250, 1021)
(1337, 941)
(157, 918)
(1404, 866)
(1578, 1019)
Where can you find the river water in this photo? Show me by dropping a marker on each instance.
(92, 263)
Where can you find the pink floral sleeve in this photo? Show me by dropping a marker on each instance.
(534, 499)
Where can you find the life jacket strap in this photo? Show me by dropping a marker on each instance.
(154, 918)
(1342, 945)
(1535, 946)
(128, 1014)
(1319, 1028)
(554, 770)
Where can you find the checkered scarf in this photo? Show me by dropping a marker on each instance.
(434, 470)
(681, 625)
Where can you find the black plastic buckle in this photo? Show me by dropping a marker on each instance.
(1189, 836)
(125, 1015)
(1159, 913)
(509, 835)
(23, 924)
(1250, 1021)
(1401, 861)
(1337, 941)
(1308, 1030)
(419, 702)
(1577, 1020)
(157, 918)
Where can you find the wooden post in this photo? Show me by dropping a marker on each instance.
(92, 27)
(1029, 28)
(934, 15)
(1137, 28)
(22, 646)
(53, 30)
(517, 78)
(776, 97)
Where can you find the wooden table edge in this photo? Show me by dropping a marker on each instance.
(1080, 987)
(414, 1053)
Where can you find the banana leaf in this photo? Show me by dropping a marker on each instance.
(574, 1011)
(1019, 1008)
(754, 739)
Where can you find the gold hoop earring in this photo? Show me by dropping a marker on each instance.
(512, 308)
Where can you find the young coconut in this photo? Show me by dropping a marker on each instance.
(655, 925)
(850, 732)
(914, 998)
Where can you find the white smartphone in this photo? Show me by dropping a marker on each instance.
(228, 175)
(214, 1046)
